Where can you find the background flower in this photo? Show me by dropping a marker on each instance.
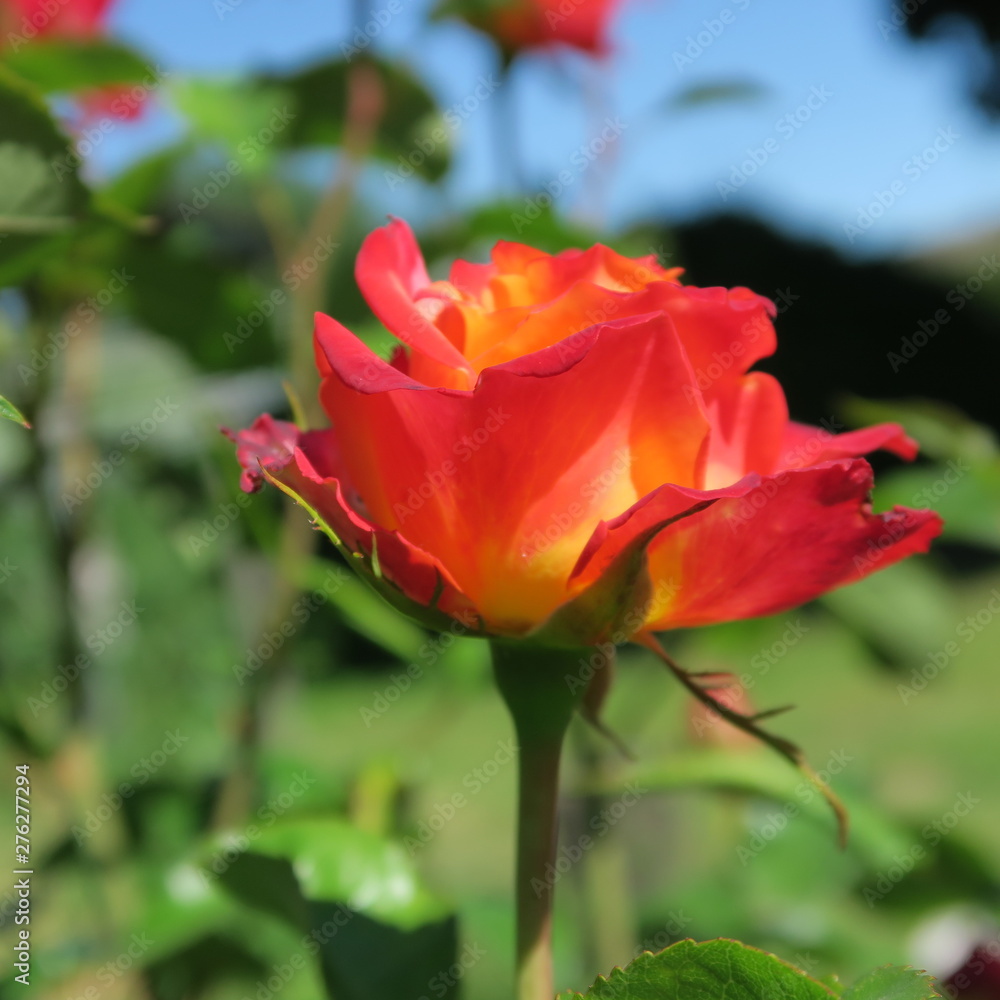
(62, 18)
(532, 24)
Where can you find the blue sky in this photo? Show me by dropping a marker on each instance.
(878, 106)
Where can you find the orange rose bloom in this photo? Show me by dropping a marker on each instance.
(571, 448)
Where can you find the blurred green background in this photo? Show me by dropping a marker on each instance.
(248, 775)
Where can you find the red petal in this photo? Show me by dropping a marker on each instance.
(391, 274)
(542, 23)
(472, 279)
(552, 276)
(725, 331)
(307, 465)
(765, 545)
(506, 483)
(804, 445)
(268, 443)
(415, 573)
(66, 18)
(748, 417)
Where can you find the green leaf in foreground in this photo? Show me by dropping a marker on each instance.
(707, 971)
(356, 899)
(11, 412)
(893, 982)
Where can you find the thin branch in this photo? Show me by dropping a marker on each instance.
(748, 724)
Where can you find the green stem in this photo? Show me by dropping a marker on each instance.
(607, 909)
(534, 685)
(537, 838)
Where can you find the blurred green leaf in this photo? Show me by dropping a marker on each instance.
(69, 65)
(759, 772)
(178, 905)
(963, 483)
(368, 614)
(893, 983)
(246, 118)
(941, 430)
(138, 187)
(41, 196)
(334, 861)
(308, 109)
(720, 92)
(902, 612)
(966, 493)
(11, 412)
(411, 132)
(706, 971)
(358, 901)
(473, 235)
(211, 306)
